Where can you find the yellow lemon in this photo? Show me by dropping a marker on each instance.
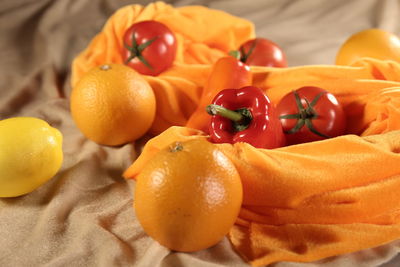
(30, 154)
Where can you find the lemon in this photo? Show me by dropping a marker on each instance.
(30, 154)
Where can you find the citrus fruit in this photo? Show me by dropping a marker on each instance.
(374, 43)
(188, 196)
(30, 154)
(113, 104)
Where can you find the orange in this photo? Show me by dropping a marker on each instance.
(374, 43)
(112, 105)
(188, 196)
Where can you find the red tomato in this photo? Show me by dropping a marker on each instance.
(310, 114)
(149, 47)
(262, 52)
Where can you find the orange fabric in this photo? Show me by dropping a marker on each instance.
(309, 201)
(315, 200)
(354, 86)
(204, 35)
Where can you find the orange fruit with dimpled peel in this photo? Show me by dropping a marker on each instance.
(373, 43)
(113, 104)
(188, 196)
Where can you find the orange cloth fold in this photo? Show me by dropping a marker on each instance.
(354, 86)
(320, 199)
(203, 35)
(382, 111)
(309, 201)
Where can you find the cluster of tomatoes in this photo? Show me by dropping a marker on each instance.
(150, 48)
(246, 114)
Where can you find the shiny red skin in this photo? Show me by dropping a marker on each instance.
(160, 54)
(265, 53)
(331, 120)
(264, 131)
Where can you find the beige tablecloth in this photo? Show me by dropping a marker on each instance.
(84, 215)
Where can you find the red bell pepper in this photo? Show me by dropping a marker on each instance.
(227, 72)
(245, 115)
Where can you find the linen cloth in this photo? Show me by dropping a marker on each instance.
(83, 216)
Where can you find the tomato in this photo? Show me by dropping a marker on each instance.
(373, 43)
(149, 47)
(310, 114)
(262, 52)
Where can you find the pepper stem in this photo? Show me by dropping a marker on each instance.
(235, 53)
(224, 112)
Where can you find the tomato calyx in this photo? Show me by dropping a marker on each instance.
(305, 115)
(136, 50)
(244, 56)
(241, 55)
(240, 118)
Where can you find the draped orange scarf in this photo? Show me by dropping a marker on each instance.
(303, 202)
